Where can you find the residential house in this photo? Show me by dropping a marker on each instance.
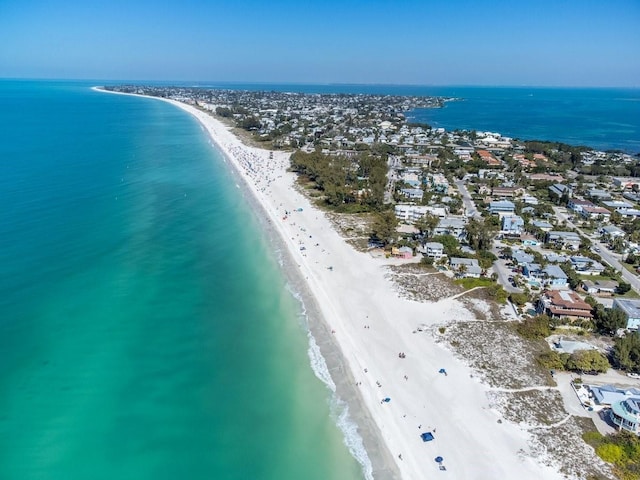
(569, 240)
(631, 309)
(599, 287)
(528, 240)
(550, 276)
(586, 265)
(402, 252)
(534, 273)
(520, 257)
(505, 192)
(555, 277)
(512, 225)
(598, 195)
(626, 183)
(564, 304)
(412, 193)
(615, 204)
(454, 226)
(465, 267)
(596, 213)
(412, 213)
(611, 231)
(629, 212)
(488, 158)
(545, 177)
(577, 204)
(433, 250)
(607, 395)
(626, 414)
(542, 225)
(559, 190)
(503, 207)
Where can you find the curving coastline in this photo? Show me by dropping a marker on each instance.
(360, 325)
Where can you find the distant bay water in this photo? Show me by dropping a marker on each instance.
(146, 329)
(600, 118)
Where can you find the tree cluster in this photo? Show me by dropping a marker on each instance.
(342, 181)
(626, 352)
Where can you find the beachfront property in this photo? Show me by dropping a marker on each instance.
(411, 213)
(626, 414)
(631, 309)
(564, 304)
(465, 267)
(454, 226)
(433, 250)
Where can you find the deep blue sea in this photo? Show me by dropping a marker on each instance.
(146, 329)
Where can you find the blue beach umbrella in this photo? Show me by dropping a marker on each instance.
(439, 459)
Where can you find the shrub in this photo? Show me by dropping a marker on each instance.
(610, 453)
(535, 327)
(593, 438)
(551, 360)
(519, 298)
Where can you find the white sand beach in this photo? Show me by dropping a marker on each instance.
(371, 325)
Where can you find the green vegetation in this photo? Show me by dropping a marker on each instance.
(626, 352)
(621, 449)
(535, 327)
(342, 182)
(519, 298)
(608, 321)
(586, 361)
(469, 283)
(579, 361)
(495, 291)
(384, 227)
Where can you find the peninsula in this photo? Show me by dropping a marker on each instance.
(408, 241)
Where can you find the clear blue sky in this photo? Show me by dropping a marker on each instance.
(445, 42)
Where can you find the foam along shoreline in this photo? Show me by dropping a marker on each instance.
(360, 324)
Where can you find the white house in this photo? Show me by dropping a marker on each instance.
(433, 250)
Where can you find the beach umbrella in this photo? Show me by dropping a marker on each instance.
(439, 459)
(387, 399)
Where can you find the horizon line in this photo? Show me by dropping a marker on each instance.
(325, 84)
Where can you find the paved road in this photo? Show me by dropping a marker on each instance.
(469, 206)
(604, 253)
(503, 276)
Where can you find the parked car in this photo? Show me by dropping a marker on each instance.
(633, 375)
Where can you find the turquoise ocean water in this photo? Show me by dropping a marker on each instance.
(146, 331)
